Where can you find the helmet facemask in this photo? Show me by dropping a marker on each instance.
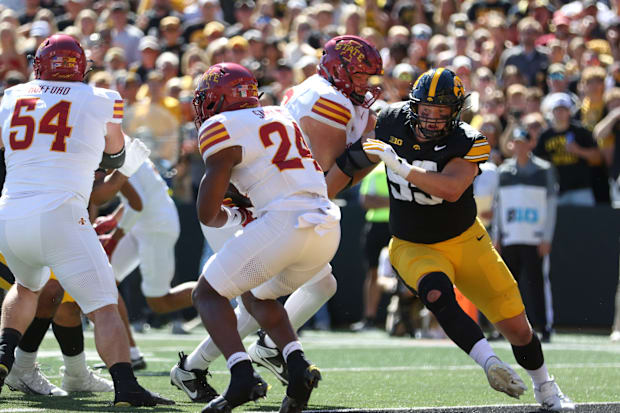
(450, 122)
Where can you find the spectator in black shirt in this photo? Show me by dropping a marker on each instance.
(170, 31)
(571, 149)
(32, 7)
(243, 15)
(72, 8)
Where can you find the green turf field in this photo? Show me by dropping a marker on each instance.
(361, 371)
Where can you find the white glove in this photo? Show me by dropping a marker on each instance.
(388, 156)
(136, 153)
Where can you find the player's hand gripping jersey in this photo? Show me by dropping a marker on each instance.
(55, 132)
(277, 171)
(415, 215)
(317, 98)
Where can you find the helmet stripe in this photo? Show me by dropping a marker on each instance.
(433, 88)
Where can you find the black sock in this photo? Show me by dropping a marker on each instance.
(9, 338)
(242, 368)
(122, 376)
(70, 339)
(529, 356)
(32, 338)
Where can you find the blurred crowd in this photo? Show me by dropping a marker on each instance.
(548, 69)
(514, 58)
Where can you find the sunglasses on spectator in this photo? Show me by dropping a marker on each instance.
(556, 76)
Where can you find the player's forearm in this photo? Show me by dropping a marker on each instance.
(106, 190)
(592, 155)
(444, 186)
(336, 181)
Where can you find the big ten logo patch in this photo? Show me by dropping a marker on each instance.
(350, 50)
(524, 215)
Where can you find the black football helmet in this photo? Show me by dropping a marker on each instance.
(437, 87)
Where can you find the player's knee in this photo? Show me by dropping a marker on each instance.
(326, 287)
(436, 292)
(203, 291)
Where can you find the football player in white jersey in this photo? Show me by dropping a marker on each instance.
(56, 130)
(332, 109)
(147, 238)
(296, 232)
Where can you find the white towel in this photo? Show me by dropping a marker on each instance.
(322, 219)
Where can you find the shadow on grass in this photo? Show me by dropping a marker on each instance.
(80, 402)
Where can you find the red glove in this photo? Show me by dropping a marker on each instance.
(109, 244)
(105, 224)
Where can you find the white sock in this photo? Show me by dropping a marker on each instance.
(24, 360)
(290, 347)
(481, 351)
(207, 351)
(75, 365)
(308, 299)
(135, 353)
(539, 376)
(236, 358)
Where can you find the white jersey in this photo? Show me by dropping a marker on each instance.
(159, 214)
(315, 97)
(54, 137)
(277, 171)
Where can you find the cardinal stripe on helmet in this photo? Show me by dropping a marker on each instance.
(433, 88)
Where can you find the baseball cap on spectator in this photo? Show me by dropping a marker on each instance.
(520, 134)
(245, 4)
(543, 4)
(306, 60)
(119, 5)
(213, 28)
(214, 2)
(422, 31)
(40, 28)
(459, 20)
(560, 100)
(238, 42)
(404, 71)
(253, 35)
(297, 4)
(589, 3)
(461, 61)
(169, 23)
(560, 19)
(149, 42)
(556, 71)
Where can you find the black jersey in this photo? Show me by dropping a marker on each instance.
(415, 215)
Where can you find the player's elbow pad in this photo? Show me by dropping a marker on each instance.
(353, 159)
(113, 161)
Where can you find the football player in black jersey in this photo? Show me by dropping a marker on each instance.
(432, 159)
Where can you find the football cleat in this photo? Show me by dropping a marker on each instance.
(296, 398)
(32, 381)
(237, 394)
(503, 378)
(3, 373)
(139, 396)
(269, 358)
(192, 382)
(551, 397)
(89, 382)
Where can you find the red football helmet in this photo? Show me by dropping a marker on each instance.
(224, 87)
(60, 57)
(343, 58)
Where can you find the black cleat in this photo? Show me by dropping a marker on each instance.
(4, 371)
(192, 382)
(269, 358)
(140, 397)
(305, 378)
(237, 394)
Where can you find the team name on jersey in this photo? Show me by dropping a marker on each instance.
(52, 90)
